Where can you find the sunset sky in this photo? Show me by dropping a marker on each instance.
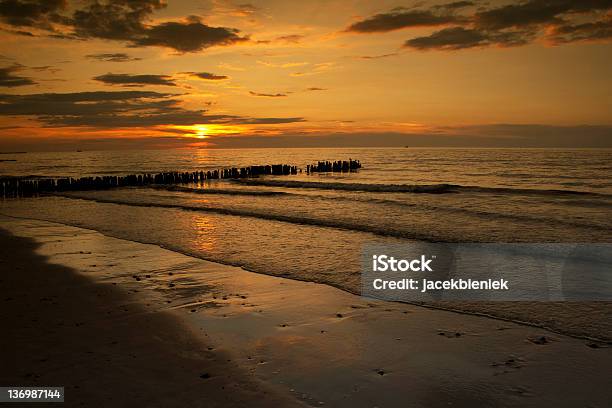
(151, 74)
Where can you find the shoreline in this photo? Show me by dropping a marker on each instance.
(63, 329)
(466, 308)
(311, 342)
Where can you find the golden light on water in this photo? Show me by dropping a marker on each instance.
(204, 131)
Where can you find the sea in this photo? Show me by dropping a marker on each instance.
(313, 227)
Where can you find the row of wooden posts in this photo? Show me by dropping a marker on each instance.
(336, 166)
(31, 186)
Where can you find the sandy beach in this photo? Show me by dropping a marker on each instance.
(125, 323)
(59, 327)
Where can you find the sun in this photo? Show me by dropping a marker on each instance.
(201, 131)
(204, 131)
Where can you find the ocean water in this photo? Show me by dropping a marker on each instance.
(313, 227)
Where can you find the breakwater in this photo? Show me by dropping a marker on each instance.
(335, 166)
(34, 185)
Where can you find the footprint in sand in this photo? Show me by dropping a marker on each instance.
(540, 340)
(450, 334)
(508, 365)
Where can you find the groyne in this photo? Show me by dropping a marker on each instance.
(335, 166)
(35, 185)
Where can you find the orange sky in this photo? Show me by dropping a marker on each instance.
(211, 71)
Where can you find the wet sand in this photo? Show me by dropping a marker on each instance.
(61, 329)
(142, 305)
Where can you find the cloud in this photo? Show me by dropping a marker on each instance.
(45, 68)
(114, 20)
(476, 136)
(400, 18)
(317, 69)
(82, 103)
(285, 94)
(19, 32)
(535, 12)
(291, 38)
(457, 38)
(8, 78)
(119, 109)
(282, 65)
(268, 121)
(245, 10)
(120, 20)
(530, 18)
(515, 136)
(538, 135)
(116, 57)
(188, 36)
(207, 76)
(567, 33)
(392, 54)
(234, 10)
(268, 95)
(31, 13)
(456, 5)
(514, 24)
(135, 80)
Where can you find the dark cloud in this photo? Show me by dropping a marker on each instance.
(538, 135)
(189, 36)
(534, 12)
(20, 32)
(135, 80)
(268, 95)
(519, 137)
(514, 24)
(116, 110)
(113, 57)
(486, 136)
(120, 20)
(114, 20)
(265, 121)
(399, 18)
(45, 68)
(392, 54)
(207, 76)
(529, 18)
(450, 38)
(314, 88)
(456, 5)
(457, 38)
(9, 79)
(125, 20)
(83, 103)
(86, 96)
(566, 33)
(31, 13)
(292, 38)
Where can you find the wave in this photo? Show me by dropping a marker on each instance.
(376, 188)
(182, 189)
(381, 230)
(442, 188)
(392, 202)
(329, 223)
